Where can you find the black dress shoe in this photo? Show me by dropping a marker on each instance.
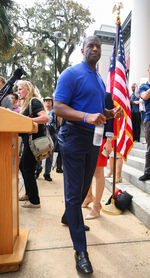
(145, 177)
(83, 264)
(64, 220)
(36, 175)
(59, 170)
(47, 177)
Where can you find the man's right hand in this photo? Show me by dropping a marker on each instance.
(96, 119)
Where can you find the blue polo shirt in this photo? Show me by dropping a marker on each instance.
(143, 88)
(82, 89)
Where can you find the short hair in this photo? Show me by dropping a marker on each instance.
(16, 96)
(90, 37)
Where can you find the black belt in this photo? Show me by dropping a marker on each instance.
(80, 126)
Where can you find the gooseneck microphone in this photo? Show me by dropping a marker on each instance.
(17, 74)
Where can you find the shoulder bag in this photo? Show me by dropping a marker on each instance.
(41, 147)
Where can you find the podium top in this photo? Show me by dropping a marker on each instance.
(13, 122)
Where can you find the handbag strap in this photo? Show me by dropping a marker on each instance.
(30, 114)
(30, 107)
(117, 192)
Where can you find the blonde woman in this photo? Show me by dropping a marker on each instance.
(27, 162)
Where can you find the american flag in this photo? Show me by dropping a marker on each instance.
(117, 86)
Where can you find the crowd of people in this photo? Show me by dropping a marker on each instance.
(42, 114)
(80, 103)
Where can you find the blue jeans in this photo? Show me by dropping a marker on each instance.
(48, 166)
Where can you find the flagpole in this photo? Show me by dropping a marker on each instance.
(111, 208)
(115, 141)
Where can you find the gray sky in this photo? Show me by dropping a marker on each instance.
(101, 11)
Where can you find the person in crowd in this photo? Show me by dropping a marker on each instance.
(7, 101)
(80, 100)
(27, 164)
(142, 109)
(15, 99)
(144, 91)
(59, 165)
(52, 123)
(105, 150)
(135, 113)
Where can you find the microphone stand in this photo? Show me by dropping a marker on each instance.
(5, 92)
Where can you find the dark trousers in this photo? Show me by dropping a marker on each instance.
(136, 125)
(59, 161)
(49, 160)
(147, 155)
(27, 167)
(39, 167)
(79, 158)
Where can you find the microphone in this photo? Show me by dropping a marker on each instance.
(10, 82)
(16, 75)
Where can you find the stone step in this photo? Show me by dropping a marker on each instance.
(131, 171)
(140, 205)
(132, 176)
(139, 145)
(136, 162)
(137, 153)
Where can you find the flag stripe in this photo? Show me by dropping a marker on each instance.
(117, 86)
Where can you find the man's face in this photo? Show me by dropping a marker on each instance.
(13, 99)
(48, 104)
(92, 51)
(133, 87)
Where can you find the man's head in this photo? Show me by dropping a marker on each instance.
(48, 101)
(91, 50)
(15, 98)
(133, 87)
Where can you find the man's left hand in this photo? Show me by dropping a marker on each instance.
(118, 112)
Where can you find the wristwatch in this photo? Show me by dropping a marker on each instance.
(109, 139)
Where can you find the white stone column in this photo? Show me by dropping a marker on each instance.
(140, 41)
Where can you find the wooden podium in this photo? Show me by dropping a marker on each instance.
(12, 240)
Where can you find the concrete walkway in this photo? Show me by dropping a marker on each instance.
(118, 246)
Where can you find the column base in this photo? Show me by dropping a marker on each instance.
(11, 262)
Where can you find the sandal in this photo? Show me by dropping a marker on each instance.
(28, 204)
(24, 198)
(94, 213)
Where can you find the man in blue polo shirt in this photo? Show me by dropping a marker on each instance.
(80, 100)
(144, 91)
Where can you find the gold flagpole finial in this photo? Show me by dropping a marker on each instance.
(117, 7)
